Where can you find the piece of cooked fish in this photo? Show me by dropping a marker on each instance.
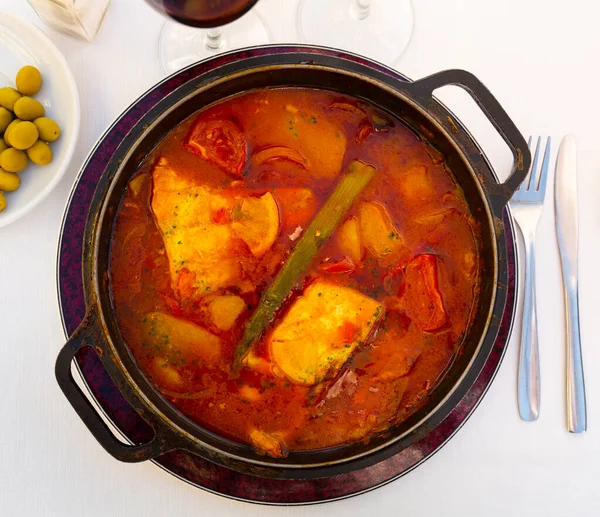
(201, 226)
(321, 330)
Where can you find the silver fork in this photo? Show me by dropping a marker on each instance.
(526, 205)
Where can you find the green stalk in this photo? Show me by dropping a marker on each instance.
(324, 223)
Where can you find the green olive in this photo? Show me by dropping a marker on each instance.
(23, 135)
(49, 130)
(13, 160)
(8, 97)
(40, 153)
(2, 202)
(3, 145)
(8, 131)
(27, 108)
(29, 80)
(9, 181)
(5, 119)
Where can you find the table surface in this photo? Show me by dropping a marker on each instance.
(539, 58)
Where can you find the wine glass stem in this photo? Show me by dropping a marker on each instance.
(360, 8)
(214, 39)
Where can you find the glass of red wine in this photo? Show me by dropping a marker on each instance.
(203, 28)
(379, 29)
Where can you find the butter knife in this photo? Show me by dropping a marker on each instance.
(567, 232)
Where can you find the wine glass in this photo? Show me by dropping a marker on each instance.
(203, 28)
(379, 29)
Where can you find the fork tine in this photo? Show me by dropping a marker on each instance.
(532, 182)
(545, 167)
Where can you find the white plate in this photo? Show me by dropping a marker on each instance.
(24, 44)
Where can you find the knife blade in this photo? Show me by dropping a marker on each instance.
(567, 232)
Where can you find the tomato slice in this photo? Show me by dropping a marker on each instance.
(349, 331)
(420, 293)
(219, 141)
(185, 283)
(221, 216)
(364, 130)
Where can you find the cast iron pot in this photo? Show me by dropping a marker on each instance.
(411, 102)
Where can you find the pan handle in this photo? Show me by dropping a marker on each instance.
(500, 193)
(88, 334)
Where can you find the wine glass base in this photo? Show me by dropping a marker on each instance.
(180, 45)
(381, 32)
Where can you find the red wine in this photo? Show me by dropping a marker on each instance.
(203, 13)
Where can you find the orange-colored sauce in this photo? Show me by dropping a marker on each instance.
(424, 270)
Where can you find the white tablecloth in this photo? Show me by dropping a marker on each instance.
(540, 58)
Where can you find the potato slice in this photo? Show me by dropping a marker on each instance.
(224, 310)
(349, 239)
(257, 223)
(377, 232)
(269, 444)
(303, 127)
(165, 375)
(179, 341)
(416, 185)
(299, 205)
(250, 393)
(259, 364)
(321, 330)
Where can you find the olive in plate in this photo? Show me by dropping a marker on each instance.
(13, 160)
(48, 129)
(9, 129)
(23, 135)
(27, 108)
(2, 202)
(29, 80)
(40, 153)
(8, 97)
(9, 181)
(5, 119)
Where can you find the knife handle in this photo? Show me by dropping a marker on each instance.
(529, 358)
(576, 406)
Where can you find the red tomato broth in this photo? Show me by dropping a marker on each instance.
(386, 377)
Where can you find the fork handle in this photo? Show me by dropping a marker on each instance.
(576, 408)
(529, 358)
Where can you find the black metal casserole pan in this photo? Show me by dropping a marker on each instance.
(411, 102)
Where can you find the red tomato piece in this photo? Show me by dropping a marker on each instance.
(343, 266)
(173, 305)
(420, 293)
(185, 283)
(348, 332)
(364, 130)
(221, 216)
(220, 142)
